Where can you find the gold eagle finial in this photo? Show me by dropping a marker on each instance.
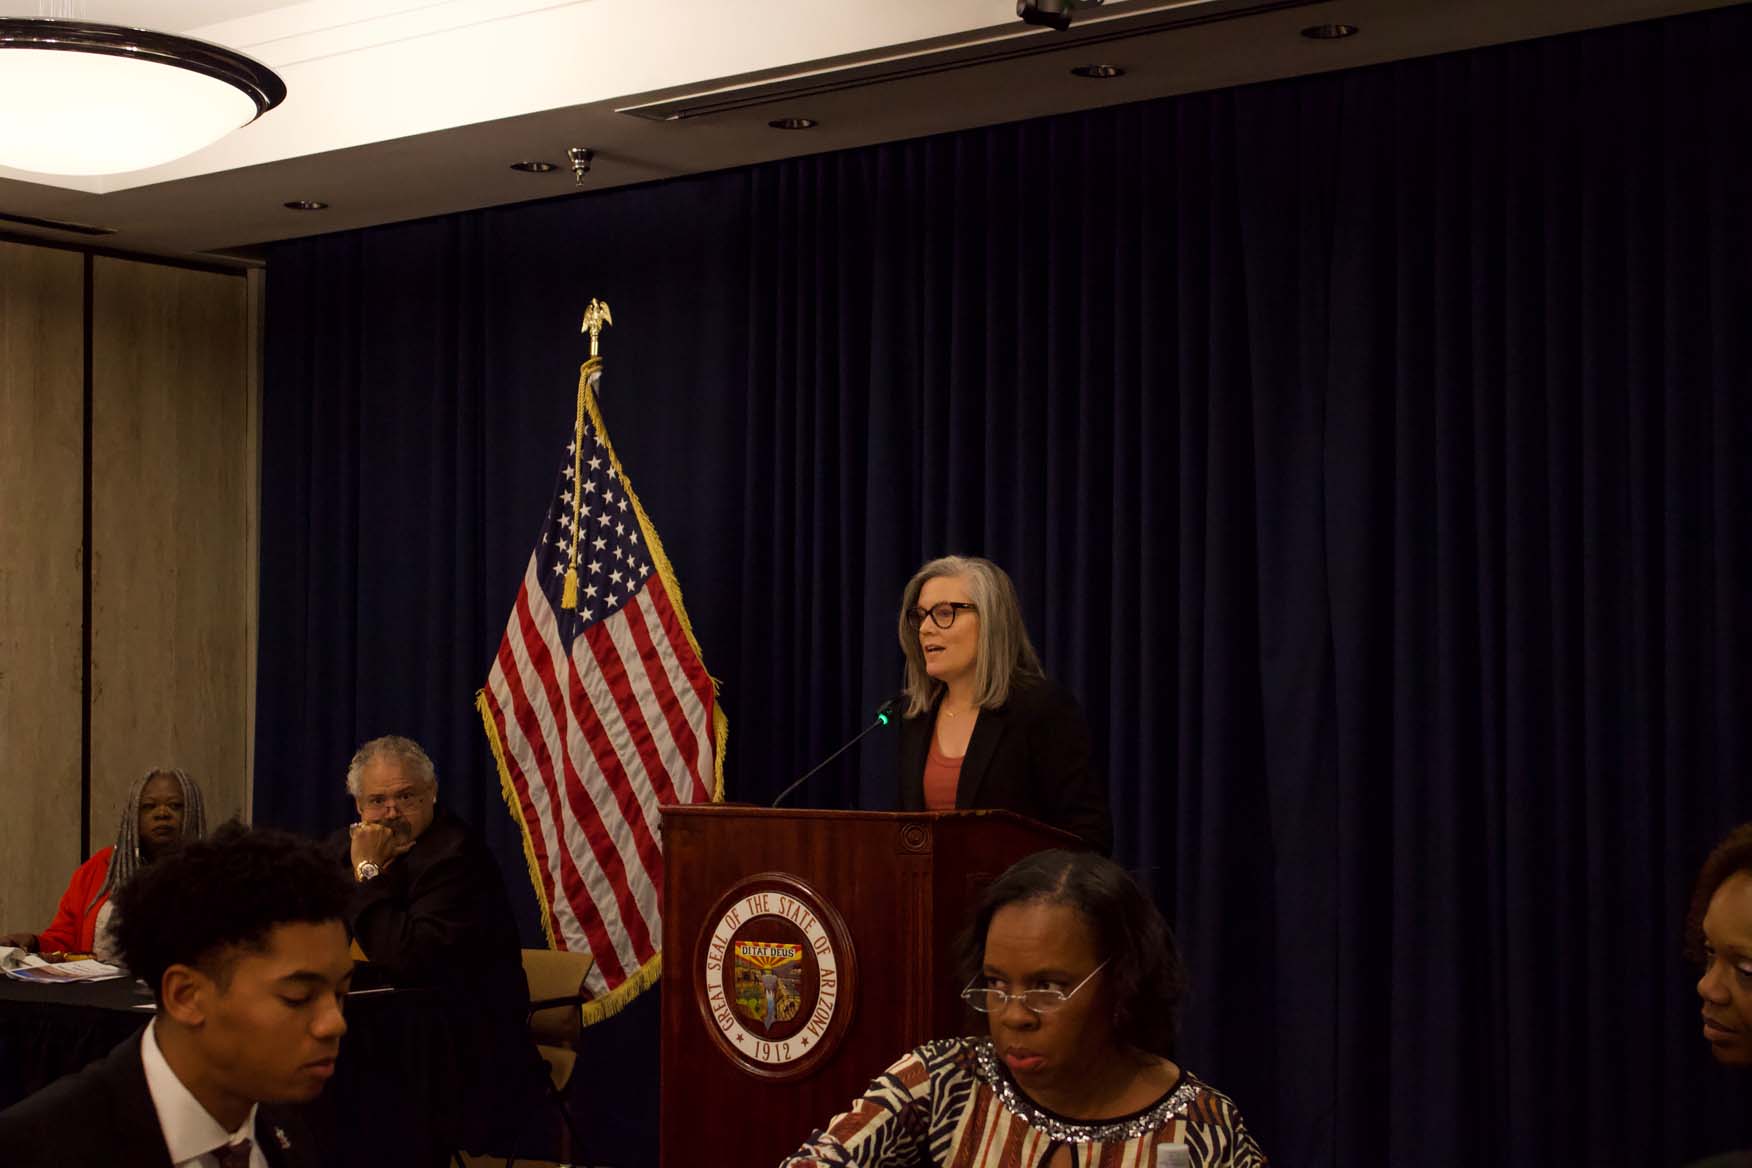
(595, 317)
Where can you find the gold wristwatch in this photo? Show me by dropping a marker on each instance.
(366, 870)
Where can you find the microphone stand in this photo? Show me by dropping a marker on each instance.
(884, 715)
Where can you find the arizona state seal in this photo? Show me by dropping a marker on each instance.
(776, 974)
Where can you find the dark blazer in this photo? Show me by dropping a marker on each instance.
(1030, 755)
(104, 1115)
(439, 916)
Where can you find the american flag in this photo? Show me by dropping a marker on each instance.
(599, 715)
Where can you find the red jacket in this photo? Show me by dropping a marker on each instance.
(75, 926)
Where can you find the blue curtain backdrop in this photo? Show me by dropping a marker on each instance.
(1370, 451)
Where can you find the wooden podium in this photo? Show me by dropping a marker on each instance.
(804, 951)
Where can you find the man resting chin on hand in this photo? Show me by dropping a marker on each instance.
(429, 909)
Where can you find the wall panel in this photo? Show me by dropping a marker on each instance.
(172, 527)
(41, 463)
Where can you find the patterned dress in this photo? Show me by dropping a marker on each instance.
(951, 1104)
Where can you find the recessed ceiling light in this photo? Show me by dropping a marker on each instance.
(793, 123)
(1329, 32)
(305, 205)
(1098, 72)
(533, 167)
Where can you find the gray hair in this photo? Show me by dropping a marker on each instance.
(126, 859)
(1003, 655)
(392, 746)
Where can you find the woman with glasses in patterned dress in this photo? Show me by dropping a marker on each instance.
(1718, 938)
(163, 809)
(984, 727)
(1079, 980)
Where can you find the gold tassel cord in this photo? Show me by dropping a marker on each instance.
(569, 594)
(595, 317)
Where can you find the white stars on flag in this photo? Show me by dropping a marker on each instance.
(590, 508)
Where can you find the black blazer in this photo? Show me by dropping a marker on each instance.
(439, 916)
(104, 1115)
(1030, 755)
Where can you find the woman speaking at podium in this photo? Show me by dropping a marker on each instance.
(984, 727)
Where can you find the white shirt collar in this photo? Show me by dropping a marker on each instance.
(190, 1132)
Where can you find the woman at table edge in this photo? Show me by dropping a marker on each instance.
(163, 809)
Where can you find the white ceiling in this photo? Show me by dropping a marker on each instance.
(398, 109)
(178, 16)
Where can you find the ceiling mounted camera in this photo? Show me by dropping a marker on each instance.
(1052, 13)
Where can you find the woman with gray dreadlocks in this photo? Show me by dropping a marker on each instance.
(164, 808)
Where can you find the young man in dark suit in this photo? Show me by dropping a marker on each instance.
(242, 938)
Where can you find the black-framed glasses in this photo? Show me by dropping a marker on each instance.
(1040, 1001)
(942, 615)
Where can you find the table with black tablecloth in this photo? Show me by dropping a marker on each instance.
(47, 1031)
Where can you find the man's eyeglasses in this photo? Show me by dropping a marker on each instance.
(403, 800)
(1041, 1001)
(942, 615)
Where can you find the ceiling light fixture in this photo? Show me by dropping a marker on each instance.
(1098, 72)
(793, 123)
(305, 205)
(81, 99)
(530, 166)
(1329, 32)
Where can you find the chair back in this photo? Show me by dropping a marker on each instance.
(557, 976)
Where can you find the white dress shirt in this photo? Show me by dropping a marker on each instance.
(191, 1134)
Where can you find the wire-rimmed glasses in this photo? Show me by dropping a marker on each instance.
(405, 800)
(1044, 1000)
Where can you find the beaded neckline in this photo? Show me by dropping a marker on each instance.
(1173, 1105)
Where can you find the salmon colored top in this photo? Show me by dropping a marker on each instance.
(942, 778)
